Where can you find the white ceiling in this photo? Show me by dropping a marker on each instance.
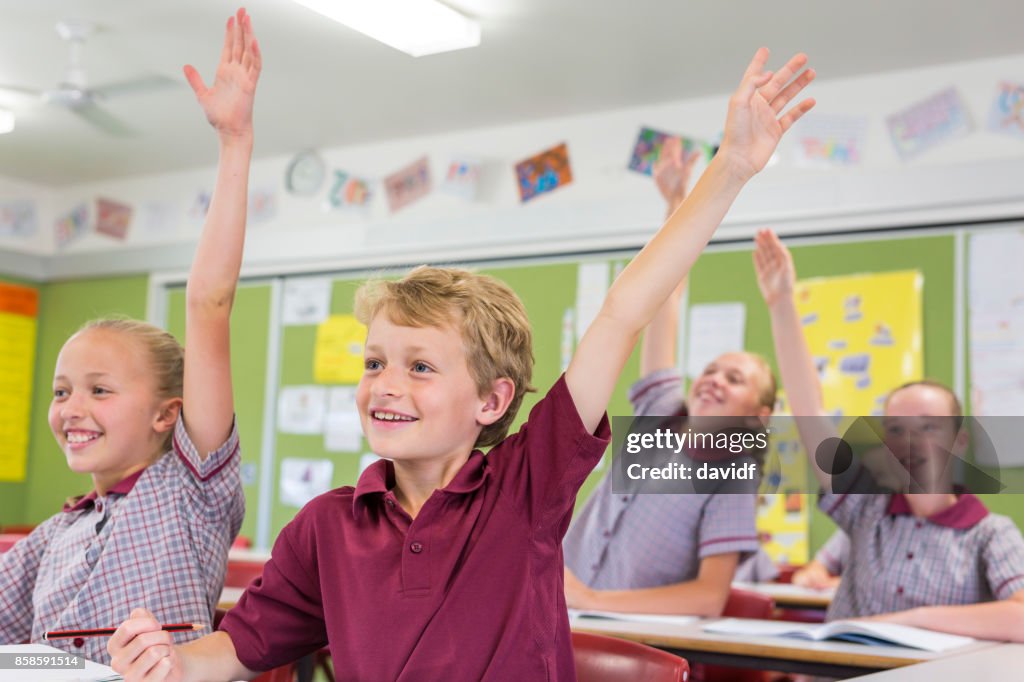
(324, 85)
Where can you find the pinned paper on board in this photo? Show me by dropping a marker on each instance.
(462, 178)
(1007, 112)
(342, 429)
(113, 218)
(338, 356)
(714, 328)
(72, 225)
(591, 289)
(17, 218)
(159, 218)
(19, 310)
(300, 409)
(408, 185)
(544, 172)
(649, 144)
(303, 479)
(348, 191)
(829, 140)
(306, 300)
(939, 118)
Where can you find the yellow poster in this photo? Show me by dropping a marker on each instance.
(19, 308)
(338, 357)
(865, 334)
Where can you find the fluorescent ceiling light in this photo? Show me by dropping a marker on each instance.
(6, 121)
(416, 27)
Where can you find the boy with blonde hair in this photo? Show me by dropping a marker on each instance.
(444, 563)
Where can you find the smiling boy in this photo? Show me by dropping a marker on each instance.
(444, 563)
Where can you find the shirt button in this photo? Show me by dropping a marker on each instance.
(78, 642)
(899, 590)
(910, 555)
(607, 533)
(625, 499)
(919, 524)
(390, 503)
(99, 507)
(416, 547)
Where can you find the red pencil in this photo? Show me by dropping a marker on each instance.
(106, 632)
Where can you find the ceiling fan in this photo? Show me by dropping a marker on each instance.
(74, 94)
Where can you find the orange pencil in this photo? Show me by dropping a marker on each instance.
(106, 632)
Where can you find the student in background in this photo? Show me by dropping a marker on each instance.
(672, 553)
(825, 570)
(443, 563)
(928, 556)
(153, 425)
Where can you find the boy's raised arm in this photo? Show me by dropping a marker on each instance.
(228, 103)
(754, 125)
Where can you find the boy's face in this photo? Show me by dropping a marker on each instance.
(417, 399)
(729, 387)
(923, 435)
(104, 405)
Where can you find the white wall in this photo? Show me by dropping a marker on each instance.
(972, 178)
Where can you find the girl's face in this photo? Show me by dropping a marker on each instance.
(729, 387)
(105, 413)
(922, 435)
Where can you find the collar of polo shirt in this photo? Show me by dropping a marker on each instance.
(966, 513)
(122, 487)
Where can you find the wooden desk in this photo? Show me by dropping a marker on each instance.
(788, 596)
(831, 659)
(996, 664)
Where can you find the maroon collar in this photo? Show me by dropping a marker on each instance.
(122, 487)
(966, 513)
(379, 477)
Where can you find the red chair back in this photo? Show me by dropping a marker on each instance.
(241, 573)
(610, 659)
(7, 540)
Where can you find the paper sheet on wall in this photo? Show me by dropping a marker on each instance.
(996, 328)
(591, 288)
(306, 300)
(18, 323)
(300, 409)
(342, 430)
(714, 328)
(338, 356)
(304, 479)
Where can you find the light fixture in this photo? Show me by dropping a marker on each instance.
(416, 27)
(6, 121)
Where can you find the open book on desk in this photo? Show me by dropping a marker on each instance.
(577, 616)
(50, 669)
(860, 632)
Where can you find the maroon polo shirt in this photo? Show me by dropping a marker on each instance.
(471, 589)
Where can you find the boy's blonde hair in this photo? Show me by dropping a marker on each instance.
(166, 356)
(487, 313)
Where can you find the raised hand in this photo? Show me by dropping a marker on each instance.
(672, 170)
(228, 102)
(755, 122)
(774, 267)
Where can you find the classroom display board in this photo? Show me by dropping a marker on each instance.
(19, 308)
(316, 442)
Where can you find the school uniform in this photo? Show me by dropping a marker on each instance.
(835, 553)
(471, 589)
(632, 540)
(158, 539)
(961, 555)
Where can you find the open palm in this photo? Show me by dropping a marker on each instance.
(774, 267)
(228, 102)
(755, 122)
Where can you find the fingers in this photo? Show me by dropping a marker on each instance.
(138, 645)
(225, 53)
(237, 39)
(783, 98)
(753, 75)
(794, 114)
(195, 81)
(783, 76)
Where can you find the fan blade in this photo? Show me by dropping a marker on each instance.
(104, 120)
(21, 91)
(136, 86)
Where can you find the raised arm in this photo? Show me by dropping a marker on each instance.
(672, 177)
(776, 277)
(754, 125)
(208, 402)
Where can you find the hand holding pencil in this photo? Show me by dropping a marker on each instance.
(141, 649)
